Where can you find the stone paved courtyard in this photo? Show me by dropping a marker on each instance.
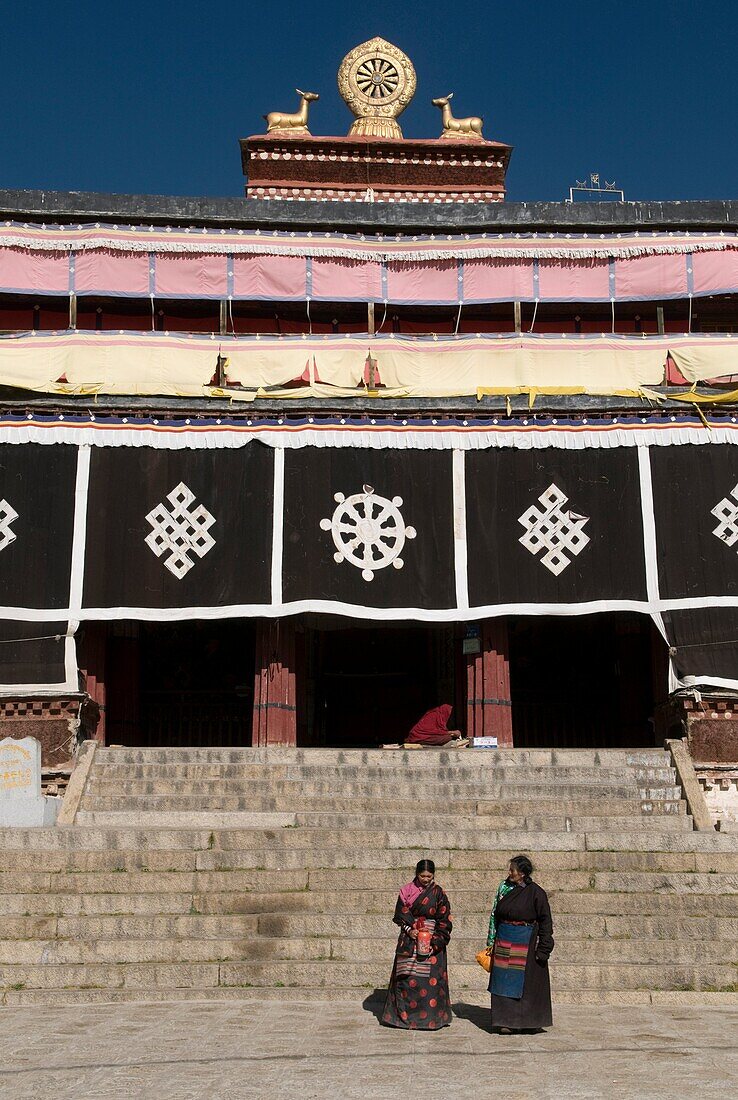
(232, 1050)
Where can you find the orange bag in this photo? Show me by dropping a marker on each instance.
(484, 960)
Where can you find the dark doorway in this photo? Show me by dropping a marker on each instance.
(589, 681)
(188, 683)
(368, 684)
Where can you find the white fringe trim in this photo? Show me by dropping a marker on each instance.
(455, 249)
(470, 439)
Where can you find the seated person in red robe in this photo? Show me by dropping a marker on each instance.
(432, 729)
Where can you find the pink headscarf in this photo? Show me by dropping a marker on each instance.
(410, 893)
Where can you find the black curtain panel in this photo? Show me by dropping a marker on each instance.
(36, 521)
(704, 641)
(181, 533)
(32, 653)
(554, 526)
(179, 528)
(369, 528)
(695, 492)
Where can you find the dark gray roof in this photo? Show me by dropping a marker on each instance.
(16, 402)
(352, 217)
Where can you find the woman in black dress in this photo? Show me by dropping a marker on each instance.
(519, 942)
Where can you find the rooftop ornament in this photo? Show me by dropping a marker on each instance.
(377, 82)
(457, 127)
(277, 122)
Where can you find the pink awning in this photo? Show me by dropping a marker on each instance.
(187, 275)
(138, 262)
(100, 271)
(42, 272)
(583, 280)
(276, 278)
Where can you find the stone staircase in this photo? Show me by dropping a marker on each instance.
(265, 874)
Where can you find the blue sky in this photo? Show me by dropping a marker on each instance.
(151, 97)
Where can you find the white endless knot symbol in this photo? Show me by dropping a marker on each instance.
(368, 531)
(180, 531)
(553, 529)
(8, 515)
(727, 512)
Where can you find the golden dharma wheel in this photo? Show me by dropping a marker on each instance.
(377, 81)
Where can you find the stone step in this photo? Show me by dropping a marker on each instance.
(534, 821)
(258, 775)
(277, 996)
(493, 861)
(57, 860)
(185, 926)
(131, 838)
(601, 807)
(118, 817)
(437, 844)
(247, 948)
(57, 902)
(500, 823)
(572, 976)
(443, 772)
(330, 974)
(165, 818)
(170, 814)
(589, 807)
(621, 882)
(198, 882)
(567, 926)
(101, 784)
(660, 842)
(381, 902)
(405, 795)
(172, 756)
(219, 902)
(422, 840)
(339, 878)
(500, 773)
(110, 976)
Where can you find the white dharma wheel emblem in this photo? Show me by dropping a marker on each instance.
(368, 531)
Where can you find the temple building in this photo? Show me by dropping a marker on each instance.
(293, 468)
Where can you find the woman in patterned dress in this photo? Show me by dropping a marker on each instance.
(418, 997)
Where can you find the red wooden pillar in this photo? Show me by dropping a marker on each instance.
(488, 703)
(275, 696)
(92, 663)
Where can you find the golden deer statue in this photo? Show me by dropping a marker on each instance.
(465, 127)
(297, 122)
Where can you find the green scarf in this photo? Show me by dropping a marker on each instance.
(503, 889)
